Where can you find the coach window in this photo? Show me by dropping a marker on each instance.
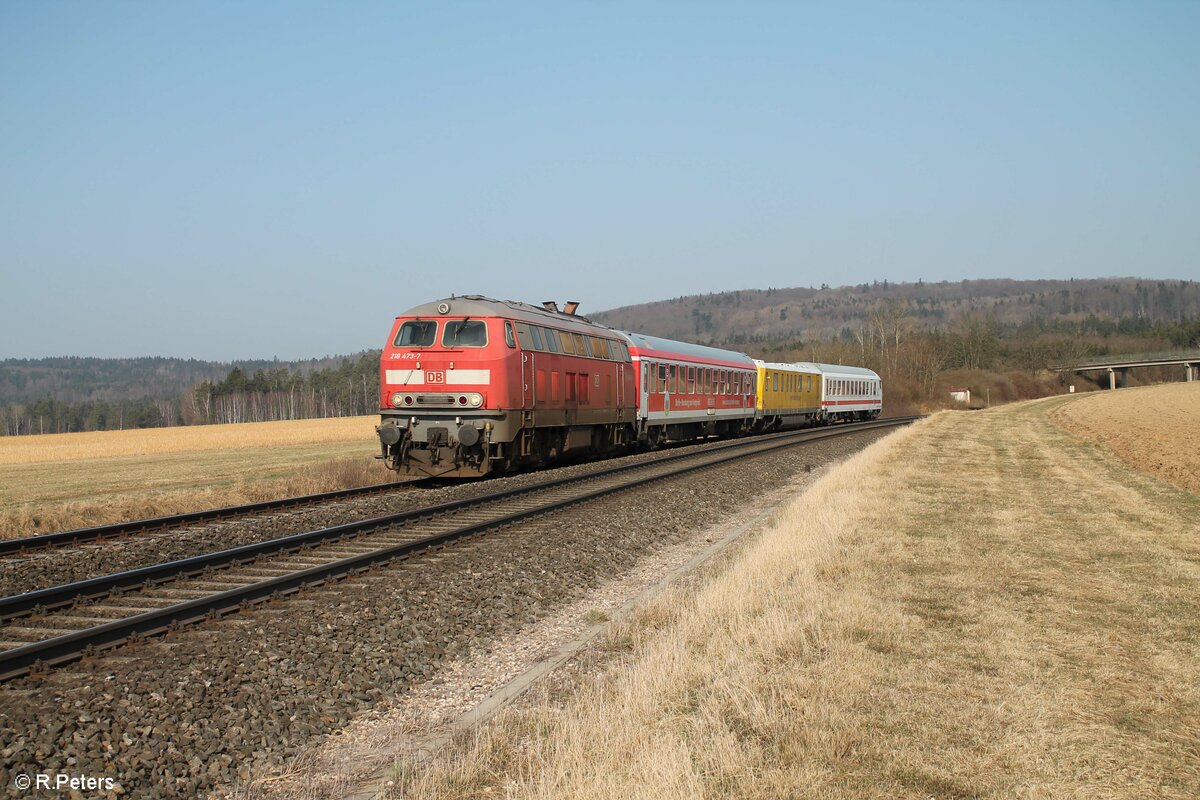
(417, 333)
(662, 378)
(673, 381)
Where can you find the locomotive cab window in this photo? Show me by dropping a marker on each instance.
(509, 338)
(524, 337)
(465, 333)
(417, 333)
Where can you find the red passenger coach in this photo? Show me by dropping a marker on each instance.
(687, 390)
(470, 385)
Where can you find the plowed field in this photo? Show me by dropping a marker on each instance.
(1154, 428)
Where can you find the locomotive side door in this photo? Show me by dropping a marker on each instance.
(527, 380)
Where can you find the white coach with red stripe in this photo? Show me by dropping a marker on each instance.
(849, 393)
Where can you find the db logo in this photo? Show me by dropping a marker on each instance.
(435, 376)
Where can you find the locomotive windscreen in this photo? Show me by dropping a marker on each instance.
(465, 333)
(417, 333)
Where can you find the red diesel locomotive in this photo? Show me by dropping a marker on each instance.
(472, 385)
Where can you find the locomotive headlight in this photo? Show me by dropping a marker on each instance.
(397, 399)
(474, 399)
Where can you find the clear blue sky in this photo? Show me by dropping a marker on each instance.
(225, 180)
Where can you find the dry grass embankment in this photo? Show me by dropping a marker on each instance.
(979, 606)
(62, 481)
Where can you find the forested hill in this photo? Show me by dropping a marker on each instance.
(74, 379)
(1093, 306)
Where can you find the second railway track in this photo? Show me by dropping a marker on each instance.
(49, 541)
(50, 626)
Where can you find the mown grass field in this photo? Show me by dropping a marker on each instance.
(983, 605)
(61, 481)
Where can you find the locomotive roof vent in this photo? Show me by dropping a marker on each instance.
(550, 306)
(571, 307)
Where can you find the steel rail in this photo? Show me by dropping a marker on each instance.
(61, 649)
(45, 541)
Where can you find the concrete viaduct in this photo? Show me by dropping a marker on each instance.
(1119, 366)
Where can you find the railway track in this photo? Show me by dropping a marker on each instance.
(59, 624)
(48, 541)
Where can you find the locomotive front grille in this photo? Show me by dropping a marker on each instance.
(437, 399)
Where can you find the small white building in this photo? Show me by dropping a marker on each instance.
(961, 395)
